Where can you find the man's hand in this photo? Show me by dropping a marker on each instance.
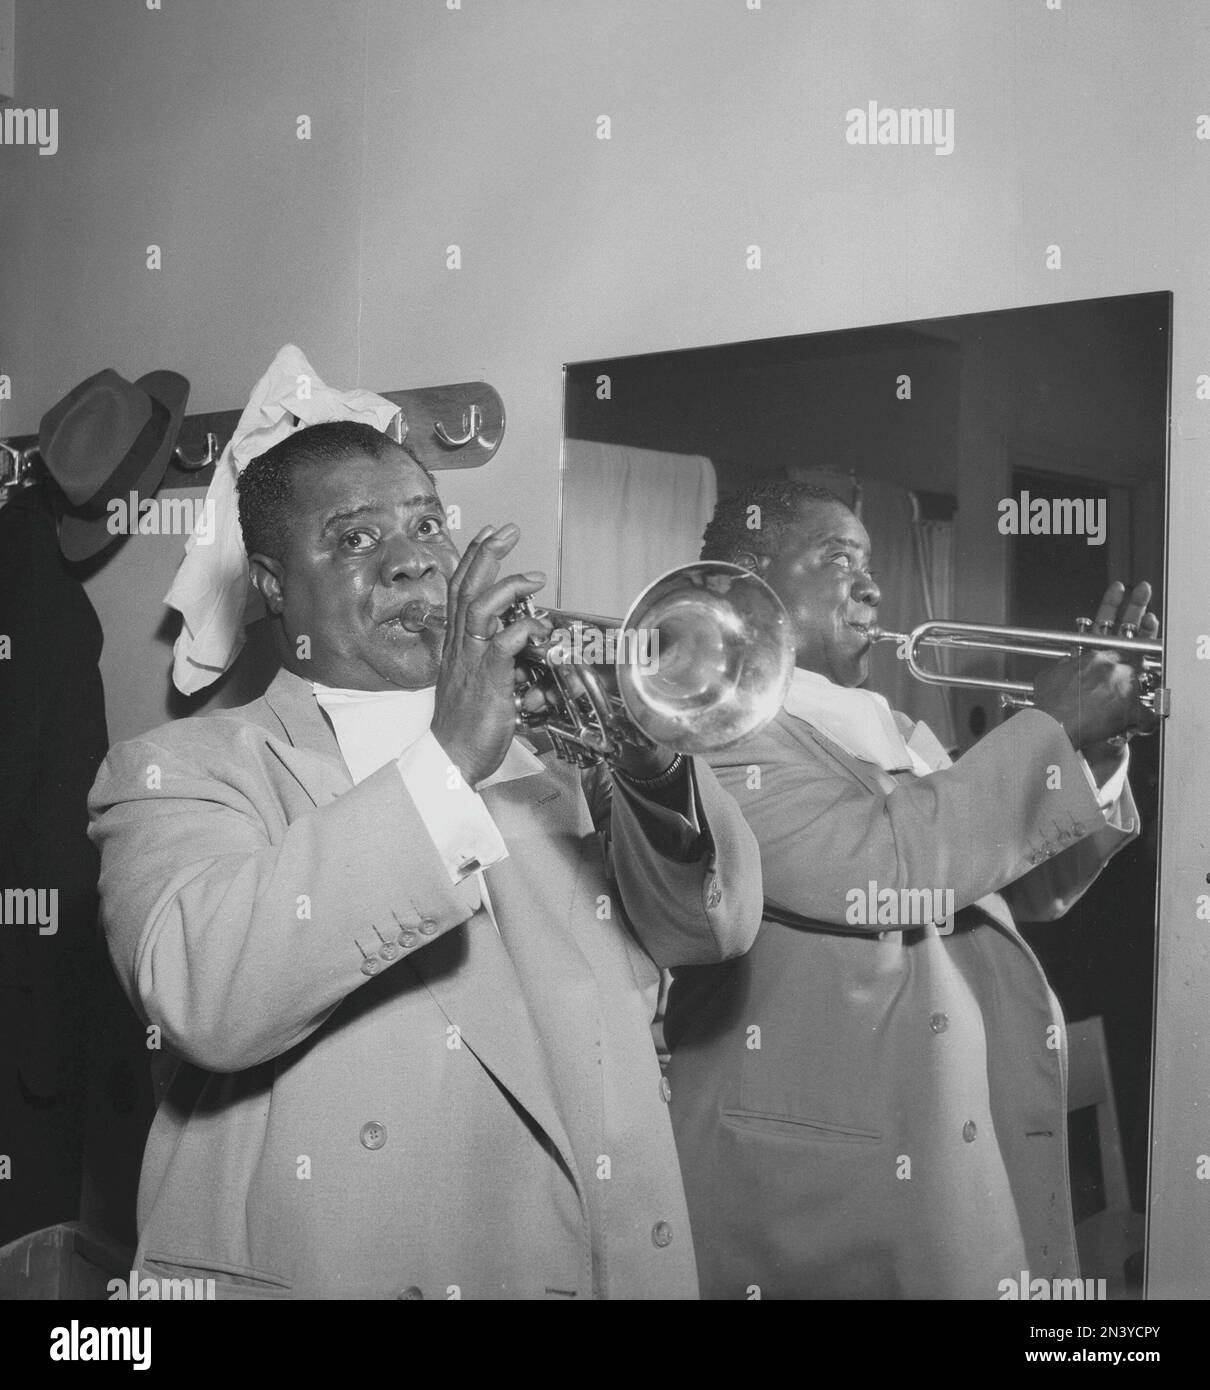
(1096, 696)
(476, 716)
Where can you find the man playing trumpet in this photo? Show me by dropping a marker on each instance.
(405, 1009)
(870, 1105)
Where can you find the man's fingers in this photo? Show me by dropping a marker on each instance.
(455, 585)
(485, 563)
(484, 608)
(1107, 613)
(1136, 604)
(534, 701)
(1099, 657)
(1120, 610)
(1149, 630)
(510, 641)
(479, 565)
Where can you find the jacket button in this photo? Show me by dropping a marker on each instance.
(714, 894)
(389, 951)
(428, 926)
(371, 966)
(665, 1089)
(661, 1234)
(969, 1130)
(373, 1135)
(939, 1022)
(410, 1292)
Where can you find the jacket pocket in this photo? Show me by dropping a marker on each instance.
(179, 1279)
(793, 1127)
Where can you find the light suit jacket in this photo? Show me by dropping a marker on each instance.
(370, 1091)
(876, 1113)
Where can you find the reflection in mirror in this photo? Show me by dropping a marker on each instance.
(1007, 467)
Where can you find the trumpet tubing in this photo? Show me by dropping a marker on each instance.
(1023, 641)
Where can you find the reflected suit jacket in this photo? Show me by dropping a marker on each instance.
(370, 1091)
(866, 1112)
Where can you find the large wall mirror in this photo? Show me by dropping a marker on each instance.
(938, 433)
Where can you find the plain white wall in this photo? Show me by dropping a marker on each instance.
(477, 127)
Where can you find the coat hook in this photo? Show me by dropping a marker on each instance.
(25, 463)
(10, 472)
(470, 429)
(191, 465)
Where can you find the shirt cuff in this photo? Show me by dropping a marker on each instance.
(462, 828)
(1108, 794)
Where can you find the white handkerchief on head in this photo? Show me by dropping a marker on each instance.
(211, 588)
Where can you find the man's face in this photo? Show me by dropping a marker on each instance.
(366, 537)
(821, 574)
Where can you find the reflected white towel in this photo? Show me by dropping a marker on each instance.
(211, 589)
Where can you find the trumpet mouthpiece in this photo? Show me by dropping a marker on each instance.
(417, 616)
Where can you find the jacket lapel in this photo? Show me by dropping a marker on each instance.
(306, 746)
(802, 733)
(482, 997)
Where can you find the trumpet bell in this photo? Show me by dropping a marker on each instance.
(719, 655)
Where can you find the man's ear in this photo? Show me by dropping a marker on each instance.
(268, 579)
(748, 560)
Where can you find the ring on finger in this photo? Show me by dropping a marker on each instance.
(478, 637)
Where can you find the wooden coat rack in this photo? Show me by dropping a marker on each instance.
(452, 426)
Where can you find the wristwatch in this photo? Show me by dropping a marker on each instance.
(660, 780)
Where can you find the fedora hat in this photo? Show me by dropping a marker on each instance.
(106, 438)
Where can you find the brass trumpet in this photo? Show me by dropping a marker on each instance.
(1147, 657)
(702, 659)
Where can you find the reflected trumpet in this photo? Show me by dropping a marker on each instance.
(1147, 657)
(702, 659)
